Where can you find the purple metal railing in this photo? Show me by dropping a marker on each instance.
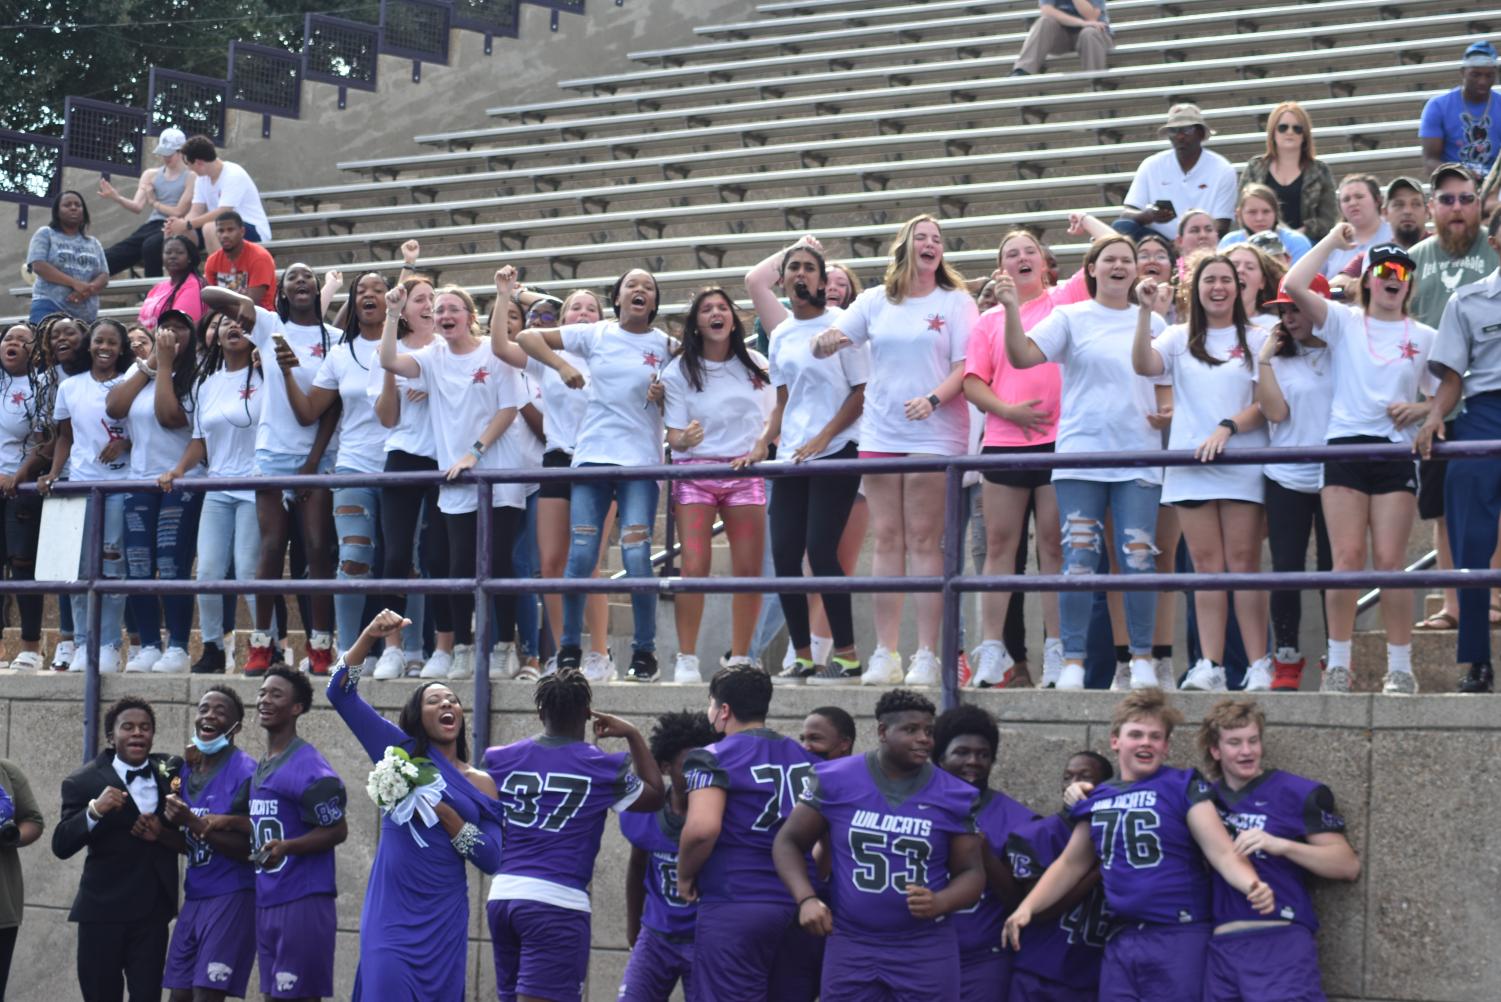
(950, 583)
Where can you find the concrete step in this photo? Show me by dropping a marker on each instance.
(1433, 660)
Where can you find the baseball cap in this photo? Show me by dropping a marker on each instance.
(1182, 115)
(170, 141)
(1268, 242)
(1384, 253)
(1400, 182)
(1452, 170)
(1481, 53)
(176, 315)
(1320, 285)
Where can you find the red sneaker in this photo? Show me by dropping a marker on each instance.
(320, 655)
(965, 672)
(261, 655)
(1017, 677)
(1287, 676)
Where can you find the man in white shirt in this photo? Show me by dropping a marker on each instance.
(221, 186)
(1169, 183)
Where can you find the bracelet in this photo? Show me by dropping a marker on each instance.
(478, 448)
(144, 369)
(811, 897)
(353, 673)
(1230, 423)
(93, 814)
(467, 840)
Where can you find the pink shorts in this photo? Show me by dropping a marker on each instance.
(864, 454)
(729, 492)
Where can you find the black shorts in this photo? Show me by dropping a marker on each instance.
(1024, 479)
(1431, 481)
(1385, 477)
(561, 489)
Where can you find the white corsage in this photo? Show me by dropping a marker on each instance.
(402, 786)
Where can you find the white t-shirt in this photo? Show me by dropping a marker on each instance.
(1338, 259)
(732, 407)
(280, 430)
(1211, 186)
(154, 449)
(1305, 381)
(17, 401)
(80, 399)
(362, 438)
(1105, 404)
(227, 416)
(914, 345)
(234, 190)
(1203, 396)
(619, 427)
(464, 392)
(1375, 363)
(413, 433)
(520, 447)
(816, 387)
(562, 407)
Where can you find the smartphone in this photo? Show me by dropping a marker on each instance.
(281, 342)
(1164, 205)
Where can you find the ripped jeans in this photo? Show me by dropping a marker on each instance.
(1082, 505)
(356, 510)
(111, 607)
(588, 503)
(161, 536)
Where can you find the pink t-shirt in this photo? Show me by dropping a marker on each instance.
(187, 300)
(986, 359)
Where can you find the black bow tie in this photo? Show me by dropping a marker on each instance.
(131, 775)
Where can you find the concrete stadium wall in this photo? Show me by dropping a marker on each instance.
(1414, 777)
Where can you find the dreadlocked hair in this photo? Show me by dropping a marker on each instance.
(211, 360)
(903, 701)
(691, 346)
(34, 366)
(963, 720)
(345, 318)
(46, 391)
(678, 732)
(284, 305)
(563, 699)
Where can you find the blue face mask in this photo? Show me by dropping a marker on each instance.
(215, 746)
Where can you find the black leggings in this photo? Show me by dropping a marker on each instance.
(1290, 517)
(808, 515)
(23, 522)
(407, 528)
(460, 530)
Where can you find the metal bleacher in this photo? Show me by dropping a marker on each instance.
(842, 118)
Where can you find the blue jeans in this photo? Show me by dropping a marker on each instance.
(1131, 228)
(1472, 494)
(1082, 505)
(161, 535)
(111, 607)
(356, 514)
(227, 528)
(40, 308)
(588, 503)
(526, 562)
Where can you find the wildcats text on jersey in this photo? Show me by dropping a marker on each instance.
(891, 823)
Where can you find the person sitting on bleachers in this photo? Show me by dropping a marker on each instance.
(1258, 212)
(220, 186)
(239, 265)
(1186, 175)
(1459, 126)
(168, 191)
(1406, 212)
(1067, 26)
(1302, 182)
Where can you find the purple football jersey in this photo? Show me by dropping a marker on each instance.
(286, 797)
(656, 834)
(1290, 807)
(886, 834)
(979, 925)
(557, 793)
(762, 774)
(1067, 949)
(1149, 862)
(210, 874)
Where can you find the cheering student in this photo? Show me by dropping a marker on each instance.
(557, 790)
(740, 790)
(906, 853)
(1289, 828)
(1151, 831)
(63, 343)
(213, 943)
(1059, 957)
(415, 922)
(659, 924)
(292, 809)
(828, 732)
(21, 375)
(965, 742)
(128, 892)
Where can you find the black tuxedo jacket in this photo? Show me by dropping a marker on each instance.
(124, 878)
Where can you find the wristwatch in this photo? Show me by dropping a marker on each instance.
(1229, 423)
(933, 399)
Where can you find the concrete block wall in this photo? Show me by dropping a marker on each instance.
(1415, 779)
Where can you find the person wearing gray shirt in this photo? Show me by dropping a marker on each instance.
(1067, 26)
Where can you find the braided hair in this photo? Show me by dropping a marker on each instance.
(563, 700)
(284, 305)
(211, 360)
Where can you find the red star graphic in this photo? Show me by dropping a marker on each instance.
(1408, 349)
(316, 351)
(935, 322)
(480, 375)
(246, 392)
(18, 398)
(1237, 352)
(651, 358)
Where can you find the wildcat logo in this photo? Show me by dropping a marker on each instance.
(285, 981)
(218, 972)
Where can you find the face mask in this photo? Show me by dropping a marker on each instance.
(215, 746)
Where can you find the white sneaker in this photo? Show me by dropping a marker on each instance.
(109, 660)
(685, 670)
(79, 660)
(1143, 674)
(990, 662)
(1052, 662)
(174, 662)
(925, 668)
(62, 656)
(1070, 677)
(788, 658)
(1206, 676)
(551, 668)
(1167, 674)
(1335, 678)
(391, 664)
(1259, 676)
(1400, 683)
(463, 661)
(503, 663)
(27, 661)
(142, 658)
(883, 668)
(598, 667)
(229, 653)
(1122, 680)
(438, 666)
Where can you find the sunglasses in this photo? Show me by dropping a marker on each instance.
(1450, 198)
(1392, 270)
(1292, 127)
(1180, 130)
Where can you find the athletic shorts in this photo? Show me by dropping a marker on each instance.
(554, 459)
(921, 966)
(1024, 479)
(1238, 968)
(540, 950)
(1385, 477)
(657, 963)
(213, 944)
(1431, 481)
(294, 945)
(738, 945)
(727, 492)
(1155, 963)
(1029, 987)
(985, 975)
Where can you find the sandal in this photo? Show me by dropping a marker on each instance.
(1438, 621)
(1495, 614)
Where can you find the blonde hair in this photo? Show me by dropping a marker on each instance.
(903, 266)
(855, 287)
(1265, 194)
(1226, 715)
(1145, 704)
(1296, 110)
(454, 290)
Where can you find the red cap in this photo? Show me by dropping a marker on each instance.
(1320, 285)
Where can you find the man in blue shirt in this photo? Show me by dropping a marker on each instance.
(1460, 126)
